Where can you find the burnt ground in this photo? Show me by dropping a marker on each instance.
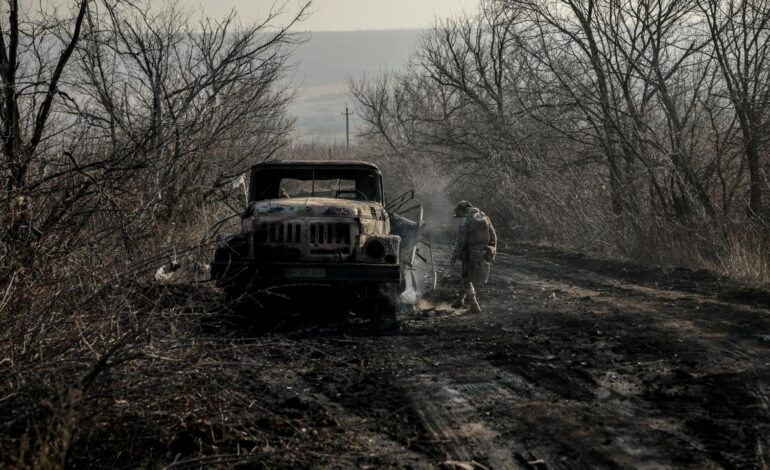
(574, 363)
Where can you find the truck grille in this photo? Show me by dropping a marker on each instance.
(311, 238)
(279, 232)
(329, 233)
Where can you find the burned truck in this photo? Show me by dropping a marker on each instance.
(313, 225)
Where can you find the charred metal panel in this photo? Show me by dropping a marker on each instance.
(346, 237)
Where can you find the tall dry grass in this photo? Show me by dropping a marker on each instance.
(571, 211)
(103, 365)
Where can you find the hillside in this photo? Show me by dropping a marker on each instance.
(324, 64)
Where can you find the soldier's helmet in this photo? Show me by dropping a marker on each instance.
(462, 208)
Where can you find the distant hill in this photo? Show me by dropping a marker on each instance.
(323, 66)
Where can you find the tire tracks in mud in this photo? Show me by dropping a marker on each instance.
(439, 417)
(566, 368)
(452, 413)
(709, 354)
(703, 313)
(621, 402)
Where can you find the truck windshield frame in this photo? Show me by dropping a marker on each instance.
(266, 183)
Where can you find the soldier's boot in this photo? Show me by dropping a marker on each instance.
(474, 305)
(460, 302)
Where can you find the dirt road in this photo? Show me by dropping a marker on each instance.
(574, 363)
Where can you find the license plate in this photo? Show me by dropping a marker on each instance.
(314, 273)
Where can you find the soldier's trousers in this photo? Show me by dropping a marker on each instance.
(474, 271)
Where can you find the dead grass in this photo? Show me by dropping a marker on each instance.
(143, 375)
(103, 367)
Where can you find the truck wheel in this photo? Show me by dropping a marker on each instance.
(384, 307)
(237, 292)
(235, 295)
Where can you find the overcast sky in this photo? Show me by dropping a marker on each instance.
(346, 15)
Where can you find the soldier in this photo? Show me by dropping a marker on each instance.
(476, 248)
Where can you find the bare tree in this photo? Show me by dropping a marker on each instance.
(626, 66)
(118, 116)
(458, 103)
(740, 41)
(198, 100)
(30, 88)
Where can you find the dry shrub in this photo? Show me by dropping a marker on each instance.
(104, 366)
(744, 255)
(119, 157)
(145, 382)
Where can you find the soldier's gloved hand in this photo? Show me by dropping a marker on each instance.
(489, 254)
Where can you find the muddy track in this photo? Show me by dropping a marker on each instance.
(573, 363)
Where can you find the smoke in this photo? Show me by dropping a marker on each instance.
(420, 278)
(434, 194)
(437, 189)
(410, 296)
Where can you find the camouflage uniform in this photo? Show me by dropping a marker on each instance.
(476, 248)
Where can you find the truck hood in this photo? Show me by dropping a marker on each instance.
(317, 207)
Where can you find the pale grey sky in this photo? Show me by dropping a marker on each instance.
(346, 15)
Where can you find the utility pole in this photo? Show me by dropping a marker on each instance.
(347, 125)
